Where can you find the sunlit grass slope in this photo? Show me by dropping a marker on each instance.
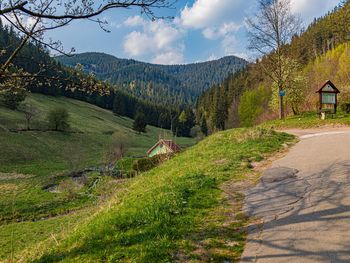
(309, 120)
(176, 212)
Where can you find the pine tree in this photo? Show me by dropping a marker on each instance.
(186, 121)
(119, 105)
(204, 126)
(139, 122)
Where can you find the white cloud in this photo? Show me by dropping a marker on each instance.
(229, 44)
(315, 6)
(226, 34)
(170, 57)
(222, 31)
(309, 9)
(137, 43)
(206, 13)
(28, 23)
(135, 21)
(164, 34)
(220, 21)
(159, 39)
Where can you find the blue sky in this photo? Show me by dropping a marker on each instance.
(201, 30)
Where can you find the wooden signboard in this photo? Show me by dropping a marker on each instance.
(328, 96)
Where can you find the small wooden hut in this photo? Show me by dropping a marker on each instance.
(328, 96)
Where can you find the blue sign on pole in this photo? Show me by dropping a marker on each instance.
(282, 93)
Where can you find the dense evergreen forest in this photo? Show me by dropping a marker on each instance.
(160, 84)
(52, 78)
(320, 52)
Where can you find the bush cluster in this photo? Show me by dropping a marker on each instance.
(346, 107)
(148, 163)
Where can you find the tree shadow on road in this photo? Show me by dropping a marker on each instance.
(304, 218)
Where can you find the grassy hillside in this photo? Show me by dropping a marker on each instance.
(94, 128)
(309, 120)
(188, 209)
(37, 194)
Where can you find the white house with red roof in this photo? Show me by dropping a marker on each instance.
(164, 147)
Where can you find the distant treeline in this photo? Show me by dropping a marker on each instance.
(159, 84)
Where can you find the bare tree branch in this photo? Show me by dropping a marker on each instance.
(269, 31)
(52, 14)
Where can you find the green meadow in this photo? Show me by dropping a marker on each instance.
(38, 197)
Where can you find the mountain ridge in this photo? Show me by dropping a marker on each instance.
(162, 84)
(149, 63)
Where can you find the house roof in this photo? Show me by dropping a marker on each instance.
(168, 143)
(328, 82)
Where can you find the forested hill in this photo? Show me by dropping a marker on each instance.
(57, 80)
(164, 84)
(318, 54)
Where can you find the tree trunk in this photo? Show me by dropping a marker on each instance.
(281, 108)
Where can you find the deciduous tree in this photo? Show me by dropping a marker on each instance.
(58, 119)
(294, 85)
(269, 31)
(30, 111)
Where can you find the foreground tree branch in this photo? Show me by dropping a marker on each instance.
(87, 10)
(33, 18)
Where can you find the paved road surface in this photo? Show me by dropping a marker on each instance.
(303, 203)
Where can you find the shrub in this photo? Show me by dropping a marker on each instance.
(148, 163)
(251, 106)
(69, 187)
(346, 107)
(58, 119)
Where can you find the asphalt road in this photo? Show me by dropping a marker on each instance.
(302, 203)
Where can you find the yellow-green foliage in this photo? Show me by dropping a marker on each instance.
(294, 83)
(251, 105)
(302, 82)
(334, 66)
